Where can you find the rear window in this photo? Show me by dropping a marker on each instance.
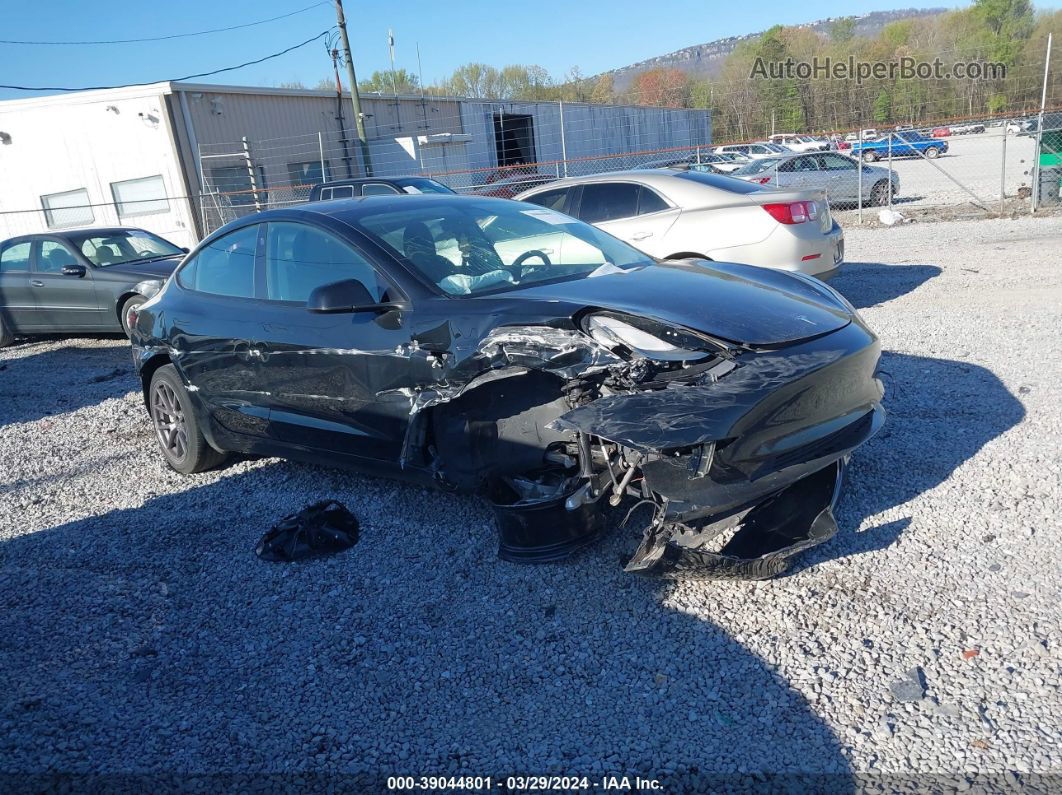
(720, 182)
(421, 185)
(756, 166)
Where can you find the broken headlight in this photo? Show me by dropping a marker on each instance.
(647, 338)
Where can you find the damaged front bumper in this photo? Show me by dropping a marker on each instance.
(733, 465)
(755, 544)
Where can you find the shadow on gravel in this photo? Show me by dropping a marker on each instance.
(56, 381)
(153, 639)
(940, 414)
(873, 283)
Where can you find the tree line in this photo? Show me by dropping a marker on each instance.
(1008, 32)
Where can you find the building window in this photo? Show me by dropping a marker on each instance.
(69, 208)
(234, 182)
(308, 173)
(140, 196)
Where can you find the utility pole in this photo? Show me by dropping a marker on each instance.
(355, 100)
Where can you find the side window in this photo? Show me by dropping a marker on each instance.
(649, 202)
(553, 199)
(300, 258)
(838, 163)
(225, 266)
(342, 192)
(789, 166)
(15, 257)
(326, 194)
(53, 257)
(608, 201)
(377, 189)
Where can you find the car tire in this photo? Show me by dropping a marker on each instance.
(879, 194)
(6, 337)
(131, 303)
(177, 430)
(869, 157)
(932, 152)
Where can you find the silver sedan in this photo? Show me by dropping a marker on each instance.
(673, 214)
(833, 173)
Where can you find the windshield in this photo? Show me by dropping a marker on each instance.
(123, 245)
(756, 166)
(421, 185)
(472, 247)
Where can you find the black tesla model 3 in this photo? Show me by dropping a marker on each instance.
(504, 349)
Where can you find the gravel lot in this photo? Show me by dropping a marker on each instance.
(140, 634)
(976, 161)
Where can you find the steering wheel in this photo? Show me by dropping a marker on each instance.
(527, 255)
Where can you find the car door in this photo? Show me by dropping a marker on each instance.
(629, 211)
(333, 382)
(842, 177)
(215, 322)
(64, 289)
(16, 296)
(793, 173)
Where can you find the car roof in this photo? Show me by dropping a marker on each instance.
(673, 183)
(79, 231)
(350, 210)
(362, 180)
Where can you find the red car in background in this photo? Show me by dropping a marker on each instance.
(941, 132)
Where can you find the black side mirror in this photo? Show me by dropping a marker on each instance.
(349, 295)
(185, 249)
(74, 270)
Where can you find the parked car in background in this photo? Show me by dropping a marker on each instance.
(967, 129)
(831, 172)
(674, 214)
(751, 151)
(905, 144)
(569, 368)
(82, 280)
(940, 132)
(708, 162)
(800, 143)
(863, 135)
(375, 186)
(508, 187)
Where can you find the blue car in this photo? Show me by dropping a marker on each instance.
(904, 144)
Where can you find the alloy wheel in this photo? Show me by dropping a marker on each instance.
(170, 424)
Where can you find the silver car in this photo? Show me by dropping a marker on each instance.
(678, 214)
(833, 173)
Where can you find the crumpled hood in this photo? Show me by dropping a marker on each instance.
(739, 303)
(159, 269)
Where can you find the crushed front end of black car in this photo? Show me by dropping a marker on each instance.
(731, 456)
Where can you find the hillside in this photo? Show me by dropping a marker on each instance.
(705, 60)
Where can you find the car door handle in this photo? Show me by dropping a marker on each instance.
(641, 235)
(36, 283)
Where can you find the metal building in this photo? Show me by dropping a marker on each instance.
(181, 158)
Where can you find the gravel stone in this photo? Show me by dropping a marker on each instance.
(141, 634)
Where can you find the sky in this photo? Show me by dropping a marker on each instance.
(594, 35)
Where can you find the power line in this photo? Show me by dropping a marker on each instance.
(173, 36)
(171, 79)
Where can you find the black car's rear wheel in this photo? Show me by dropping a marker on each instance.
(128, 308)
(176, 426)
